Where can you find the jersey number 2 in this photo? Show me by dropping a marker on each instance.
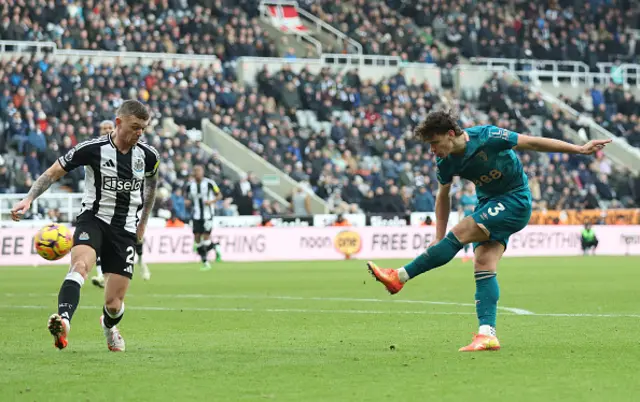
(131, 254)
(496, 210)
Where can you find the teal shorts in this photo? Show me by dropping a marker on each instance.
(503, 215)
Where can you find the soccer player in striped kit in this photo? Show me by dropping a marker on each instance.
(114, 215)
(106, 128)
(201, 195)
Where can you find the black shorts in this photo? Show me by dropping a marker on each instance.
(202, 226)
(116, 247)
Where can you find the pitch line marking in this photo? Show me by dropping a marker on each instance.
(252, 310)
(320, 311)
(513, 310)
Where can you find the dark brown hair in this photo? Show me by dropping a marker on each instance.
(437, 123)
(132, 107)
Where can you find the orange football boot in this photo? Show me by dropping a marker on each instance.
(387, 276)
(482, 343)
(59, 328)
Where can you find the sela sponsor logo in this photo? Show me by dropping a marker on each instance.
(236, 221)
(395, 221)
(121, 185)
(291, 222)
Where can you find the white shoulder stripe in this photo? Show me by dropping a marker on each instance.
(91, 142)
(149, 148)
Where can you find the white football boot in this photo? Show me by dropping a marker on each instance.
(115, 343)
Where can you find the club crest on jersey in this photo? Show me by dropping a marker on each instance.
(482, 155)
(138, 165)
(84, 236)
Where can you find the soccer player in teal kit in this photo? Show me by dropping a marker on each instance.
(484, 155)
(468, 201)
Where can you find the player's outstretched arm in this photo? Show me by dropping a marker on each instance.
(46, 179)
(443, 208)
(540, 144)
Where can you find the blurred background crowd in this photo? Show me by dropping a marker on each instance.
(346, 138)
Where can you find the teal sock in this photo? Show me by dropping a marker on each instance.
(435, 256)
(466, 248)
(487, 295)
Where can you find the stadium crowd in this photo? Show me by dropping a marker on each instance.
(211, 27)
(47, 107)
(364, 158)
(368, 158)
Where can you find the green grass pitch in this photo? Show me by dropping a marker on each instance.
(325, 331)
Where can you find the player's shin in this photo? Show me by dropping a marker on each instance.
(202, 251)
(69, 295)
(433, 257)
(112, 316)
(487, 295)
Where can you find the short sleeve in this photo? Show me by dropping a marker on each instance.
(444, 173)
(214, 187)
(501, 139)
(80, 155)
(151, 160)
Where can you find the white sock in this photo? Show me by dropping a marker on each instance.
(487, 330)
(206, 243)
(403, 275)
(99, 270)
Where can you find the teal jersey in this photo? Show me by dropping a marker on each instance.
(489, 162)
(468, 203)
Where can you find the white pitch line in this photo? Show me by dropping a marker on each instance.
(513, 310)
(252, 310)
(321, 311)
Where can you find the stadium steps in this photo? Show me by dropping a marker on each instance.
(247, 160)
(284, 41)
(233, 171)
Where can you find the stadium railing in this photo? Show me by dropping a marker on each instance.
(320, 26)
(575, 72)
(369, 67)
(26, 48)
(66, 203)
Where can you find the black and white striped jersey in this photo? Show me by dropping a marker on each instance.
(113, 180)
(198, 193)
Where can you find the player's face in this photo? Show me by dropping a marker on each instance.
(442, 145)
(106, 128)
(198, 172)
(131, 128)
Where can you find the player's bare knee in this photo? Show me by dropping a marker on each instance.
(484, 263)
(81, 267)
(113, 305)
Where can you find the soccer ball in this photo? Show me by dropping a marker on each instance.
(53, 241)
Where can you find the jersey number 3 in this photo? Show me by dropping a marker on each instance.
(496, 210)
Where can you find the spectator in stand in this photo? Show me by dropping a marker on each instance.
(194, 27)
